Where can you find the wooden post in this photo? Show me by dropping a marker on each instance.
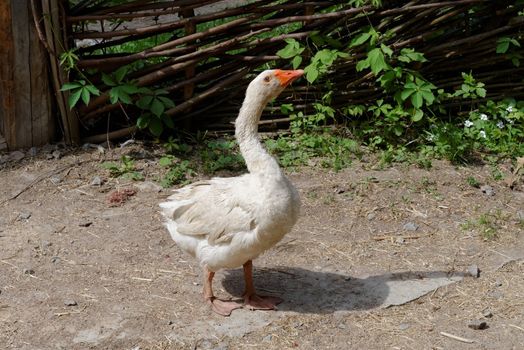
(54, 23)
(189, 89)
(26, 114)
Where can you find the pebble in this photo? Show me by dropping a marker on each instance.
(55, 179)
(57, 154)
(148, 186)
(410, 226)
(404, 326)
(16, 155)
(96, 181)
(487, 190)
(85, 224)
(24, 216)
(477, 324)
(498, 283)
(400, 240)
(267, 338)
(29, 272)
(55, 259)
(473, 271)
(487, 313)
(70, 302)
(33, 151)
(371, 216)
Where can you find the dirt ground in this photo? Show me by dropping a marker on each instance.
(376, 261)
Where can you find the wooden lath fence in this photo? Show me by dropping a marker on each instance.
(203, 52)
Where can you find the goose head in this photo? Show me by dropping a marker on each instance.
(270, 83)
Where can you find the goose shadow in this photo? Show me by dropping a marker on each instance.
(319, 292)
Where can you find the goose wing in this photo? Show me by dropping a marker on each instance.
(217, 209)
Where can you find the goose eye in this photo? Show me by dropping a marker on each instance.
(267, 79)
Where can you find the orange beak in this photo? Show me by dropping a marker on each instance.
(286, 77)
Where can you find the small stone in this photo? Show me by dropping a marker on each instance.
(70, 302)
(170, 322)
(410, 226)
(520, 215)
(33, 151)
(400, 240)
(473, 271)
(55, 259)
(498, 283)
(57, 154)
(267, 338)
(404, 326)
(342, 326)
(29, 272)
(16, 156)
(55, 179)
(96, 181)
(487, 313)
(297, 324)
(487, 190)
(148, 186)
(477, 324)
(496, 294)
(24, 216)
(371, 216)
(85, 224)
(46, 244)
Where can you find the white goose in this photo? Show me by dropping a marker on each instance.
(227, 222)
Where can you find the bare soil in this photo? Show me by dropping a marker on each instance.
(376, 261)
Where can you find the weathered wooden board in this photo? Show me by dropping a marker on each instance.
(26, 116)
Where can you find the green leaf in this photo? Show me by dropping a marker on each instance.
(156, 127)
(481, 92)
(417, 116)
(70, 86)
(73, 98)
(311, 73)
(386, 50)
(93, 90)
(406, 93)
(416, 100)
(85, 95)
(297, 60)
(361, 65)
(359, 40)
(428, 96)
(144, 102)
(143, 121)
(108, 80)
(168, 103)
(169, 122)
(165, 161)
(377, 61)
(120, 73)
(502, 47)
(157, 107)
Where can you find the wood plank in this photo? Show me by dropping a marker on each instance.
(43, 121)
(6, 72)
(22, 75)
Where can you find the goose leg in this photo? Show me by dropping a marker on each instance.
(221, 307)
(252, 300)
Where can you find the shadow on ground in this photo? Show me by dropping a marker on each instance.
(318, 292)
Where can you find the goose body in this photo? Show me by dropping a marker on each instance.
(227, 222)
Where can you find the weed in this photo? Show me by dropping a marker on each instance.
(487, 224)
(473, 182)
(124, 170)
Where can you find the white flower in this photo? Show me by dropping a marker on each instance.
(509, 109)
(468, 123)
(482, 134)
(431, 137)
(500, 125)
(483, 117)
